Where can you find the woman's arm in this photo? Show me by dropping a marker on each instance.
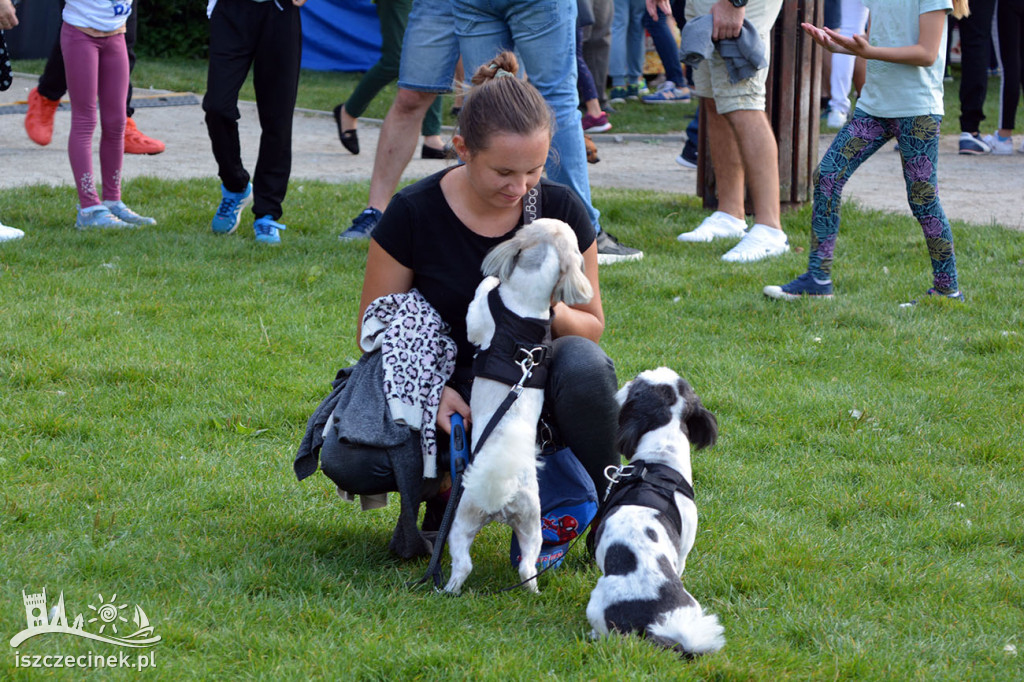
(384, 275)
(585, 320)
(931, 27)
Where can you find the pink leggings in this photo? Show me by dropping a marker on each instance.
(96, 68)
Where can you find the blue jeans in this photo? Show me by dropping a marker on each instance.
(543, 34)
(626, 61)
(429, 48)
(666, 46)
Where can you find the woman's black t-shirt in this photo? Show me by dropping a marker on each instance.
(421, 232)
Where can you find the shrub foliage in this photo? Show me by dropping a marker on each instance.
(173, 28)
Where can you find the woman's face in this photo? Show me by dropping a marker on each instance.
(502, 173)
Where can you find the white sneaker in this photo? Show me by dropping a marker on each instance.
(1000, 146)
(836, 119)
(10, 233)
(716, 225)
(760, 242)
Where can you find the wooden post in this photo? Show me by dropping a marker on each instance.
(793, 107)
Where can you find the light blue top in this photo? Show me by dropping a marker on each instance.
(899, 90)
(101, 15)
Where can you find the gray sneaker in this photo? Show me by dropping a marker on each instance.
(609, 250)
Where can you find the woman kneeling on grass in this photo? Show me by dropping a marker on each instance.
(902, 98)
(433, 238)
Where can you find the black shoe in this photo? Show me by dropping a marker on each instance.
(455, 111)
(609, 250)
(362, 225)
(431, 153)
(349, 138)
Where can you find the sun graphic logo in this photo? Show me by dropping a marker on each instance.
(108, 613)
(108, 624)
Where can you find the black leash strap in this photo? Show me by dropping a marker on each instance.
(434, 572)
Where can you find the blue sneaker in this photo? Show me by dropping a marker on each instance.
(667, 93)
(804, 285)
(99, 218)
(266, 229)
(362, 225)
(230, 210)
(972, 143)
(126, 214)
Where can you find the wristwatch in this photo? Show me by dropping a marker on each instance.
(738, 3)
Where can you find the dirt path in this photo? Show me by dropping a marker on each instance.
(979, 190)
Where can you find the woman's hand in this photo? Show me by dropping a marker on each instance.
(451, 402)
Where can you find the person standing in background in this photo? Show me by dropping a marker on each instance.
(267, 38)
(975, 49)
(742, 143)
(8, 20)
(44, 99)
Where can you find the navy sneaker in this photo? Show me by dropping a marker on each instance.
(362, 225)
(266, 229)
(804, 285)
(955, 296)
(971, 143)
(230, 210)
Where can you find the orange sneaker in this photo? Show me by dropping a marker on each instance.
(39, 118)
(137, 143)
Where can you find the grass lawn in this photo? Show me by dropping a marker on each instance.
(860, 515)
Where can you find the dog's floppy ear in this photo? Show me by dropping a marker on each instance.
(501, 260)
(628, 437)
(573, 287)
(701, 426)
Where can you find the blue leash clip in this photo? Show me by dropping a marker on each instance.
(459, 446)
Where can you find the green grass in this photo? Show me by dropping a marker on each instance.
(322, 91)
(860, 514)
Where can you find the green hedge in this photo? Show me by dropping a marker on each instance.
(173, 28)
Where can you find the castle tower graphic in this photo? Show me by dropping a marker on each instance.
(35, 609)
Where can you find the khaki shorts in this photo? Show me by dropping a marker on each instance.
(711, 78)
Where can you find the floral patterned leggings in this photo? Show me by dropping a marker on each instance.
(862, 136)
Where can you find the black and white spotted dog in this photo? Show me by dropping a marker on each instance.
(648, 521)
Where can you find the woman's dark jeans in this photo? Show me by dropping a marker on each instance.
(579, 404)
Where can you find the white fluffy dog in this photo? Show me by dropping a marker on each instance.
(648, 522)
(540, 265)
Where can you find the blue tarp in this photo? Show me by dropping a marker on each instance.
(340, 35)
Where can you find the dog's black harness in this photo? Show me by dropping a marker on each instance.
(642, 485)
(514, 337)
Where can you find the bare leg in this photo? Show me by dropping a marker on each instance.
(398, 137)
(725, 156)
(347, 122)
(760, 164)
